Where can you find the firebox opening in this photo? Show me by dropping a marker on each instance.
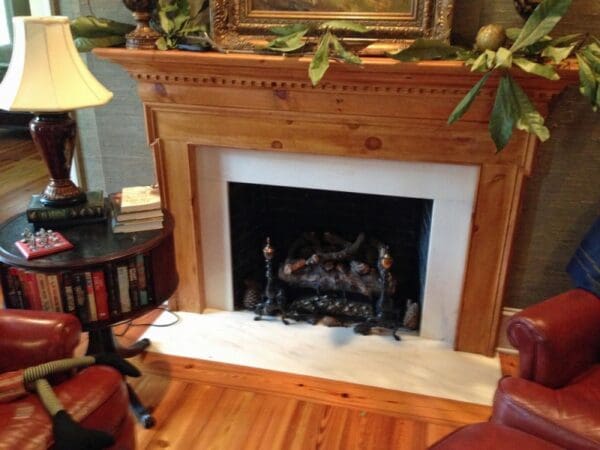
(287, 215)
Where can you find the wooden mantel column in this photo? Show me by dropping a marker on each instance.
(383, 110)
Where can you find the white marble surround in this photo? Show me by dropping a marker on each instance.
(417, 365)
(451, 187)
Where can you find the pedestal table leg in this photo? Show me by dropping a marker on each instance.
(102, 340)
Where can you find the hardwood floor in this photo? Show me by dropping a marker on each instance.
(22, 172)
(208, 405)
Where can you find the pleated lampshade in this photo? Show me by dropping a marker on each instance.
(46, 73)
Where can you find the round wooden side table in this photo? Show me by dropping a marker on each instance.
(98, 249)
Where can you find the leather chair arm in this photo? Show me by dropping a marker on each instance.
(567, 417)
(558, 338)
(28, 338)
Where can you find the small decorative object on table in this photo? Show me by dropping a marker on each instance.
(42, 243)
(144, 36)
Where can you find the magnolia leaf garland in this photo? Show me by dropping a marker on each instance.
(91, 32)
(294, 37)
(176, 23)
(532, 51)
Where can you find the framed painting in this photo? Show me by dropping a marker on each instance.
(392, 24)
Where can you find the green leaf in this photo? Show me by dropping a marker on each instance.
(343, 25)
(513, 33)
(86, 44)
(427, 49)
(165, 22)
(288, 43)
(566, 41)
(320, 61)
(541, 22)
(480, 63)
(464, 105)
(342, 53)
(542, 70)
(504, 58)
(530, 119)
(588, 83)
(490, 59)
(557, 54)
(290, 29)
(180, 21)
(161, 43)
(592, 59)
(91, 26)
(504, 115)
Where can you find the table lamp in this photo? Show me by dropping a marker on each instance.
(47, 77)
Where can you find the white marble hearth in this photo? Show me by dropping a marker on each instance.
(415, 364)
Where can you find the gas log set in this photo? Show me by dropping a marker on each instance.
(327, 279)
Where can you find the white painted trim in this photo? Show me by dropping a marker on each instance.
(452, 187)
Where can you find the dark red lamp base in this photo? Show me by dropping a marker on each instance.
(54, 136)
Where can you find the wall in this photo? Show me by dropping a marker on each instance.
(561, 199)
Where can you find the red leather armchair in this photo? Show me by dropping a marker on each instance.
(557, 396)
(96, 397)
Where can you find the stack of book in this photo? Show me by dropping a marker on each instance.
(91, 211)
(135, 209)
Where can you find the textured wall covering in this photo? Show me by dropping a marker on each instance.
(561, 199)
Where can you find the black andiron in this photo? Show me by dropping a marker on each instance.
(273, 301)
(384, 316)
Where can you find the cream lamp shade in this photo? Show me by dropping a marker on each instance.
(46, 73)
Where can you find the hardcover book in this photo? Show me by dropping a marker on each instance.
(119, 216)
(137, 225)
(91, 296)
(123, 283)
(92, 208)
(139, 198)
(79, 291)
(101, 295)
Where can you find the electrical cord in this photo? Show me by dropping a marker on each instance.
(129, 323)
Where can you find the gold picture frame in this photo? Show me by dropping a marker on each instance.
(393, 24)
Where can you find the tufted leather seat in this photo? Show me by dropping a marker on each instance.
(557, 396)
(96, 396)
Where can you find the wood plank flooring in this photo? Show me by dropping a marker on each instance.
(209, 405)
(22, 172)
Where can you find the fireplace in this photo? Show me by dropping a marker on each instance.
(422, 211)
(327, 250)
(382, 113)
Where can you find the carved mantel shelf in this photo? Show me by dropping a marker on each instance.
(382, 110)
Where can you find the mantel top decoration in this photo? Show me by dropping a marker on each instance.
(406, 30)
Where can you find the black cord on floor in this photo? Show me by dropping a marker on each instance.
(130, 323)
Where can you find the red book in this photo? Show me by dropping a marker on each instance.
(101, 295)
(60, 244)
(32, 289)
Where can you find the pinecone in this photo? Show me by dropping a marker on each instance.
(411, 316)
(252, 295)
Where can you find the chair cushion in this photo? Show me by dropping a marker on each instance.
(491, 436)
(569, 416)
(96, 397)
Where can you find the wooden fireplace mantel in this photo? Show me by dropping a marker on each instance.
(383, 110)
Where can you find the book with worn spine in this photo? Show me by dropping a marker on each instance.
(92, 208)
(139, 198)
(123, 284)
